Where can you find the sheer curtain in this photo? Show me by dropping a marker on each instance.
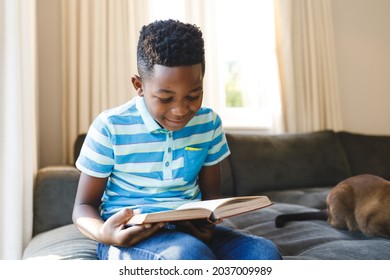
(18, 138)
(307, 65)
(97, 59)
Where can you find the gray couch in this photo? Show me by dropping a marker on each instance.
(296, 171)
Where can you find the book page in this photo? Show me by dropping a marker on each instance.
(206, 204)
(215, 203)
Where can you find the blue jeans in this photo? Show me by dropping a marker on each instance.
(226, 244)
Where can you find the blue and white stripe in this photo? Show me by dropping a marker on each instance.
(149, 167)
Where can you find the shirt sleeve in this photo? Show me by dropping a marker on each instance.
(96, 156)
(219, 148)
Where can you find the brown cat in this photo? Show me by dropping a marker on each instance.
(360, 203)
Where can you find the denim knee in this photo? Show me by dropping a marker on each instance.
(232, 244)
(187, 247)
(166, 245)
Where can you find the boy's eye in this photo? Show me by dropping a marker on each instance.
(165, 100)
(192, 98)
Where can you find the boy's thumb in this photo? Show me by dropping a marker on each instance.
(127, 213)
(124, 216)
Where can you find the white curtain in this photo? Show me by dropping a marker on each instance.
(97, 59)
(307, 65)
(18, 138)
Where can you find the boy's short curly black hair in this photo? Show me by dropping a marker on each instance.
(169, 43)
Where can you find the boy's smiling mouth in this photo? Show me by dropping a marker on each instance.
(176, 124)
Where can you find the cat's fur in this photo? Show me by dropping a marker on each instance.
(360, 203)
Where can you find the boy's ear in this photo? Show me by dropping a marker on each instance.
(137, 84)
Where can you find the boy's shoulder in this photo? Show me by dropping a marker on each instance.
(209, 113)
(126, 109)
(206, 111)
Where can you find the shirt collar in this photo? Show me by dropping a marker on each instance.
(149, 121)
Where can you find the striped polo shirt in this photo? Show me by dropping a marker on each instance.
(148, 167)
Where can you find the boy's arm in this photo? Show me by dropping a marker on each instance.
(88, 220)
(210, 181)
(85, 211)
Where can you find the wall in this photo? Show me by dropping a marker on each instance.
(50, 88)
(362, 42)
(362, 31)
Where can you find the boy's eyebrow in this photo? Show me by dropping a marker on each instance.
(162, 90)
(200, 88)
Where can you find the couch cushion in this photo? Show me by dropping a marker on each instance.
(289, 161)
(309, 197)
(367, 153)
(63, 243)
(310, 239)
(372, 249)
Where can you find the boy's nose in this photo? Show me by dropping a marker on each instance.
(180, 110)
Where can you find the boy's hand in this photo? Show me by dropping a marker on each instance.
(201, 229)
(115, 232)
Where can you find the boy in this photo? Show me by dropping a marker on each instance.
(156, 152)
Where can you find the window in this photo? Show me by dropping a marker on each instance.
(240, 52)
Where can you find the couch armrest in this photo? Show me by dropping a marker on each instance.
(54, 193)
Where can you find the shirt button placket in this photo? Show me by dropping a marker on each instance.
(167, 167)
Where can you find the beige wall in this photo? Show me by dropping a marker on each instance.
(362, 31)
(50, 89)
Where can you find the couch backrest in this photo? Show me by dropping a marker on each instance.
(367, 153)
(54, 193)
(77, 146)
(277, 162)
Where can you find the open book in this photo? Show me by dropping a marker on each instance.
(214, 210)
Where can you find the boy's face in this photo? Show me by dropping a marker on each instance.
(173, 95)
